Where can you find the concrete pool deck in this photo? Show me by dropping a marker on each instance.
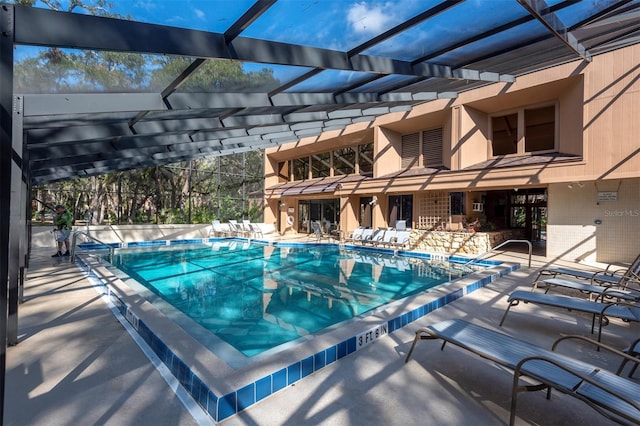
(76, 364)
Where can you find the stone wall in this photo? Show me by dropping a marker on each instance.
(460, 242)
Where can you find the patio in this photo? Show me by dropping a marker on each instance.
(75, 364)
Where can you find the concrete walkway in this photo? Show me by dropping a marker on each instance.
(76, 365)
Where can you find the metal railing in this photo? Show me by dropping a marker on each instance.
(500, 245)
(74, 242)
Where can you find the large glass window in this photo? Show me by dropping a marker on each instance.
(300, 168)
(365, 159)
(524, 131)
(400, 208)
(505, 134)
(540, 128)
(326, 212)
(283, 171)
(321, 165)
(344, 161)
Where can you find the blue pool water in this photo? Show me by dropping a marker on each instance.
(257, 297)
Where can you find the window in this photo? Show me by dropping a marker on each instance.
(540, 127)
(410, 150)
(531, 129)
(321, 165)
(300, 168)
(432, 147)
(400, 208)
(457, 203)
(422, 149)
(365, 159)
(505, 134)
(283, 171)
(344, 161)
(327, 212)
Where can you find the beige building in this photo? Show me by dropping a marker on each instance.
(553, 157)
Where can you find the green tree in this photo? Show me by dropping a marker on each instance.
(200, 190)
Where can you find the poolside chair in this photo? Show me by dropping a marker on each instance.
(401, 225)
(603, 277)
(218, 230)
(375, 237)
(634, 350)
(402, 239)
(625, 310)
(237, 229)
(615, 397)
(366, 236)
(625, 289)
(387, 239)
(254, 230)
(356, 235)
(318, 232)
(251, 230)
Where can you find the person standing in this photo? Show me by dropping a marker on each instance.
(63, 223)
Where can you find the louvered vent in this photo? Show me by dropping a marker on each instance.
(432, 147)
(410, 150)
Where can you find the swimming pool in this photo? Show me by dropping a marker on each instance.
(224, 381)
(256, 297)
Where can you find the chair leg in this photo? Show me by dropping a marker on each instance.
(514, 399)
(512, 303)
(415, 340)
(420, 336)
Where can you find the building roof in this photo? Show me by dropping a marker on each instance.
(335, 64)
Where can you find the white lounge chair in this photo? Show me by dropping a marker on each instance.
(366, 236)
(388, 239)
(237, 229)
(375, 237)
(255, 230)
(218, 230)
(356, 235)
(402, 239)
(318, 232)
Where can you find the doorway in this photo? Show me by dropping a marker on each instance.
(366, 218)
(400, 208)
(326, 212)
(528, 210)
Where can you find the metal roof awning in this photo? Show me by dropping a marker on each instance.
(312, 186)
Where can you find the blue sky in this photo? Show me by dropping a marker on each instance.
(332, 24)
(341, 24)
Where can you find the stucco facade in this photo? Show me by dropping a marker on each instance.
(566, 137)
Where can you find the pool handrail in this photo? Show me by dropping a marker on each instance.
(74, 241)
(500, 245)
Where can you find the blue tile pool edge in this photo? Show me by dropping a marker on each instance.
(221, 407)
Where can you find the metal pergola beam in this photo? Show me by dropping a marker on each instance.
(540, 10)
(41, 27)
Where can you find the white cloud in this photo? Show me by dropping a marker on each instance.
(365, 19)
(200, 14)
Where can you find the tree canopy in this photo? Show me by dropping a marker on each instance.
(197, 191)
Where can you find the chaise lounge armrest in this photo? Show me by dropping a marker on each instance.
(612, 396)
